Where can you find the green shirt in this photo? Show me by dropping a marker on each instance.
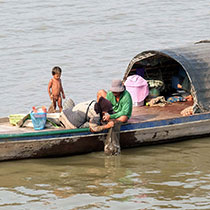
(123, 106)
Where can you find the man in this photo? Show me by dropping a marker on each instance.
(86, 114)
(122, 106)
(121, 102)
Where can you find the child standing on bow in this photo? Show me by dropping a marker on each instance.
(55, 89)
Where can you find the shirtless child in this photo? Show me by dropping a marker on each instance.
(55, 88)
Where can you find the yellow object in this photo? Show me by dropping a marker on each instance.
(15, 118)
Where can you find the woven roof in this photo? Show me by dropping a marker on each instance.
(195, 60)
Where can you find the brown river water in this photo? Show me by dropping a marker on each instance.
(93, 42)
(167, 176)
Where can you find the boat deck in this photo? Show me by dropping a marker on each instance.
(147, 113)
(140, 114)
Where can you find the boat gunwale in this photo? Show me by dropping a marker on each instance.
(124, 128)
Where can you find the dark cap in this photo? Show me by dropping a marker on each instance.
(117, 86)
(103, 105)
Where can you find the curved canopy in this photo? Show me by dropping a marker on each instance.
(194, 59)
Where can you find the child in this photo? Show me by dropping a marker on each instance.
(56, 86)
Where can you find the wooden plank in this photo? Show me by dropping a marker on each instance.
(147, 113)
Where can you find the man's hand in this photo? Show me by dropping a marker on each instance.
(91, 130)
(110, 124)
(106, 117)
(189, 98)
(179, 86)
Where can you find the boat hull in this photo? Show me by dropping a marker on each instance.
(56, 144)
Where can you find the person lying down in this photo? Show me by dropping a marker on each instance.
(86, 114)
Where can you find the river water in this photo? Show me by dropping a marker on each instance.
(93, 42)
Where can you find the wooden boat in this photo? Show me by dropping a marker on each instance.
(148, 125)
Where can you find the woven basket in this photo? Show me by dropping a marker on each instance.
(15, 118)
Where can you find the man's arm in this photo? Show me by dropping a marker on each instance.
(94, 127)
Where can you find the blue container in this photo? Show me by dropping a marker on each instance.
(38, 120)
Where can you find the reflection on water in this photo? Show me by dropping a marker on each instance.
(156, 177)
